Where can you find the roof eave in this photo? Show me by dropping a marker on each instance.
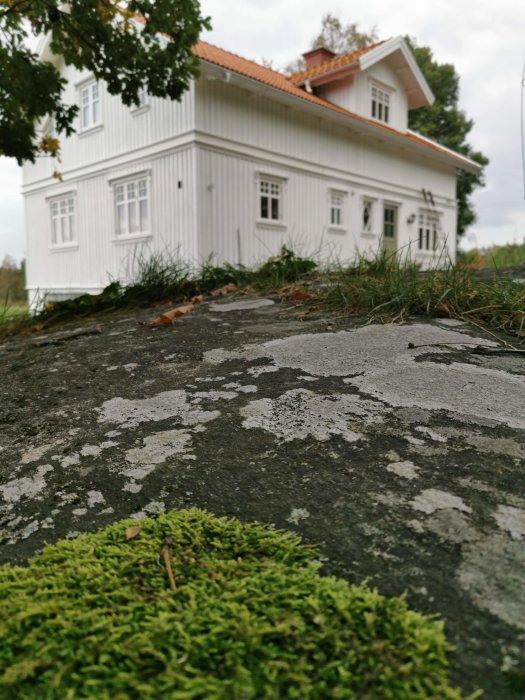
(381, 52)
(351, 121)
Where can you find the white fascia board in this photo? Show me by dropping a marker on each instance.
(356, 124)
(467, 163)
(398, 44)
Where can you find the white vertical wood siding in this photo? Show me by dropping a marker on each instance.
(100, 257)
(252, 134)
(124, 130)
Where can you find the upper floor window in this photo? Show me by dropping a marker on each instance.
(270, 200)
(90, 106)
(337, 201)
(380, 103)
(143, 97)
(389, 221)
(63, 221)
(428, 230)
(132, 207)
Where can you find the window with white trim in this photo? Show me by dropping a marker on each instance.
(143, 96)
(63, 221)
(132, 207)
(337, 205)
(428, 231)
(389, 221)
(270, 200)
(379, 103)
(90, 106)
(367, 216)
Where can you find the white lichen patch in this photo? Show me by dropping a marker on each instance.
(450, 526)
(297, 515)
(129, 413)
(159, 447)
(406, 470)
(90, 451)
(512, 520)
(417, 442)
(33, 454)
(95, 498)
(243, 305)
(379, 362)
(241, 388)
(299, 414)
(67, 460)
(493, 572)
(430, 500)
(266, 369)
(432, 434)
(25, 487)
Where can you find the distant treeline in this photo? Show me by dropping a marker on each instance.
(497, 256)
(12, 282)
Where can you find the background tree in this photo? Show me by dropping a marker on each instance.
(447, 124)
(100, 36)
(12, 281)
(443, 122)
(339, 37)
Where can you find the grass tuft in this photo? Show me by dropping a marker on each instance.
(382, 289)
(251, 617)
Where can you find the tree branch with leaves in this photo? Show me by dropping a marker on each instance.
(101, 36)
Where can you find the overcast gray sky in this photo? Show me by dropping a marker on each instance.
(485, 42)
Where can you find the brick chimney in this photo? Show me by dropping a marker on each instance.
(316, 57)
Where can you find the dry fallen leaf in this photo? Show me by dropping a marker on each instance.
(132, 532)
(299, 294)
(167, 318)
(222, 291)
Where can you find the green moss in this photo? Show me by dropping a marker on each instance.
(252, 618)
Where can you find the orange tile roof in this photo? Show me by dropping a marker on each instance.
(266, 76)
(332, 65)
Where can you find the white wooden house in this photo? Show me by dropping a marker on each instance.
(248, 160)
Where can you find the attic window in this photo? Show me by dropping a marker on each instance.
(380, 103)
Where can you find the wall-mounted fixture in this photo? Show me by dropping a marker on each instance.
(411, 219)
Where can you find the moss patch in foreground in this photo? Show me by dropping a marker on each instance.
(252, 617)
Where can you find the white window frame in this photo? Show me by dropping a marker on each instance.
(90, 104)
(380, 102)
(336, 210)
(62, 211)
(428, 230)
(270, 194)
(143, 96)
(392, 225)
(132, 207)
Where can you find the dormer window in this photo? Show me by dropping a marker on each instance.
(380, 103)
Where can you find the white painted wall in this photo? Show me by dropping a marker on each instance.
(246, 135)
(99, 256)
(124, 130)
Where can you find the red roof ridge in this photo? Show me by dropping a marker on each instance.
(334, 63)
